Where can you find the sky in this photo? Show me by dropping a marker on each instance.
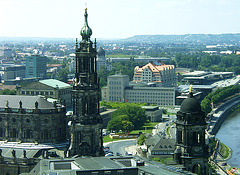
(117, 18)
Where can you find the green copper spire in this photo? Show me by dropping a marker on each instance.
(86, 31)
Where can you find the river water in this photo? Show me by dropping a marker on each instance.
(229, 134)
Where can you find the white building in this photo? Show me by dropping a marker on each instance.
(157, 72)
(119, 90)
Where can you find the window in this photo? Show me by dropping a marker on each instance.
(180, 137)
(23, 92)
(28, 134)
(45, 134)
(196, 137)
(14, 133)
(1, 132)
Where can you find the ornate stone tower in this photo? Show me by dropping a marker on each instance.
(191, 148)
(86, 124)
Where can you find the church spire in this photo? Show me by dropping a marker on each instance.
(86, 31)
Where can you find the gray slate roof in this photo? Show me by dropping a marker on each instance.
(28, 102)
(163, 144)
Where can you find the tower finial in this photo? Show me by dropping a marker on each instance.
(86, 31)
(190, 92)
(190, 89)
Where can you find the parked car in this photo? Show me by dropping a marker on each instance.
(108, 155)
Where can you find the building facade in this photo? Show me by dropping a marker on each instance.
(50, 88)
(13, 72)
(157, 72)
(36, 66)
(119, 90)
(31, 119)
(29, 126)
(86, 123)
(153, 113)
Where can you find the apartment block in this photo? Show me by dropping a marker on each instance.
(157, 72)
(119, 89)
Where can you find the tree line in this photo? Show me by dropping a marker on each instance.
(203, 61)
(218, 96)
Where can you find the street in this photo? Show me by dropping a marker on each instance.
(119, 146)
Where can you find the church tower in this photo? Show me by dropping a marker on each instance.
(86, 124)
(191, 148)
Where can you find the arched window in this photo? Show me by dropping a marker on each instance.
(28, 134)
(45, 134)
(28, 120)
(14, 133)
(1, 132)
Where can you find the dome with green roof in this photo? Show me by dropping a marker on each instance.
(86, 31)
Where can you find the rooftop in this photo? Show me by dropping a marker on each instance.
(55, 83)
(28, 102)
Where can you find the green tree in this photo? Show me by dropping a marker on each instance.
(102, 73)
(127, 126)
(115, 124)
(206, 105)
(8, 92)
(141, 139)
(135, 114)
(62, 74)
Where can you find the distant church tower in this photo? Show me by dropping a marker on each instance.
(86, 124)
(191, 148)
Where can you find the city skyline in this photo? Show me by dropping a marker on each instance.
(117, 19)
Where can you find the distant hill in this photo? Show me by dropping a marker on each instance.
(188, 38)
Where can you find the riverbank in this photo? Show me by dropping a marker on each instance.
(228, 135)
(225, 151)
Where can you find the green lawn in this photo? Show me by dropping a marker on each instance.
(224, 150)
(147, 128)
(151, 124)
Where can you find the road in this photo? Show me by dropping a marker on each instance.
(119, 146)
